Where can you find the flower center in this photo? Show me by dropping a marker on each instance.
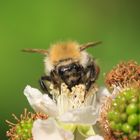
(76, 98)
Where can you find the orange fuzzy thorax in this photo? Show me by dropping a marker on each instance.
(61, 51)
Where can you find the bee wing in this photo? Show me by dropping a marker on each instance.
(41, 51)
(90, 44)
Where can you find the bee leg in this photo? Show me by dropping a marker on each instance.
(44, 86)
(56, 80)
(88, 85)
(92, 73)
(47, 78)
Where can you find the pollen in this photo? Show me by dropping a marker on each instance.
(62, 51)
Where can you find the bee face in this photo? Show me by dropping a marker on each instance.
(71, 73)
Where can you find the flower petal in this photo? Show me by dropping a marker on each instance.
(102, 93)
(48, 130)
(96, 137)
(85, 115)
(40, 102)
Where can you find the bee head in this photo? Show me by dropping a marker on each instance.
(66, 52)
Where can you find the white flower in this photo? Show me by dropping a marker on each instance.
(65, 108)
(68, 109)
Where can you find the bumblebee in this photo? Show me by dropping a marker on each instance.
(69, 63)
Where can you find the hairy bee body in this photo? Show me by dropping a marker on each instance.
(68, 63)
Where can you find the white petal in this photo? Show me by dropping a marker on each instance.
(40, 102)
(48, 130)
(85, 115)
(102, 93)
(96, 137)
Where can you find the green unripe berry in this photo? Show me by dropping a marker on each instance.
(120, 99)
(123, 117)
(122, 108)
(113, 125)
(131, 109)
(119, 126)
(133, 119)
(23, 129)
(127, 128)
(116, 117)
(19, 131)
(24, 136)
(29, 125)
(128, 94)
(111, 115)
(114, 104)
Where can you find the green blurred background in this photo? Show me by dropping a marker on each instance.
(37, 24)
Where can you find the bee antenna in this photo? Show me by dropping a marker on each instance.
(41, 51)
(90, 44)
